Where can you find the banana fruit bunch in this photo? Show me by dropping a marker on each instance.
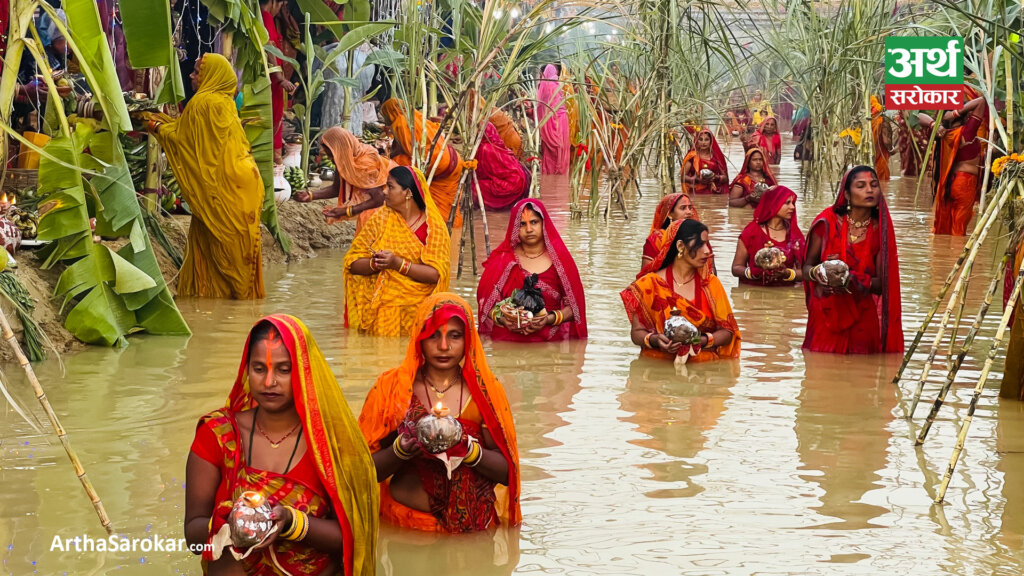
(296, 178)
(27, 222)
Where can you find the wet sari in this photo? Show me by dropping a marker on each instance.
(651, 299)
(503, 179)
(716, 164)
(456, 503)
(445, 184)
(334, 479)
(859, 322)
(755, 236)
(560, 284)
(384, 303)
(211, 158)
(359, 169)
(746, 181)
(882, 153)
(554, 128)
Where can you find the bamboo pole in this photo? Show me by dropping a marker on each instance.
(62, 435)
(993, 216)
(965, 426)
(483, 215)
(955, 331)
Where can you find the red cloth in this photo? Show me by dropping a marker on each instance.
(770, 145)
(956, 192)
(954, 214)
(500, 273)
(421, 233)
(716, 164)
(856, 323)
(755, 238)
(743, 179)
(503, 179)
(653, 245)
(276, 91)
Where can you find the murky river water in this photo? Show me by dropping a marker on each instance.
(780, 463)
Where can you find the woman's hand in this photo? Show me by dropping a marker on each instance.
(288, 86)
(385, 260)
(282, 518)
(410, 445)
(537, 322)
(335, 212)
(662, 342)
(304, 196)
(509, 320)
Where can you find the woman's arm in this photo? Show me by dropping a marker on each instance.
(686, 170)
(201, 481)
(813, 254)
(736, 197)
(639, 333)
(740, 260)
(421, 273)
(324, 193)
(492, 464)
(386, 460)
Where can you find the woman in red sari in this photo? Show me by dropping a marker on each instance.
(672, 208)
(532, 245)
(774, 224)
(705, 155)
(753, 172)
(279, 83)
(680, 283)
(767, 138)
(862, 316)
(321, 486)
(472, 486)
(503, 179)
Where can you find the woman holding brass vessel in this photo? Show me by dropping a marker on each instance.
(770, 249)
(441, 430)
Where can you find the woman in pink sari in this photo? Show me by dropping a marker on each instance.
(532, 246)
(503, 178)
(768, 140)
(554, 128)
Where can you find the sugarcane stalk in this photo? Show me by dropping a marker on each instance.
(62, 435)
(151, 191)
(965, 426)
(462, 249)
(483, 215)
(957, 291)
(472, 231)
(968, 342)
(942, 294)
(968, 272)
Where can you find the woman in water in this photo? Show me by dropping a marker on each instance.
(744, 190)
(704, 169)
(774, 225)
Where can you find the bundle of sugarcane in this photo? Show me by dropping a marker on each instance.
(18, 295)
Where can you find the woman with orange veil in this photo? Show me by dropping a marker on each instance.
(768, 140)
(361, 174)
(755, 170)
(704, 169)
(321, 487)
(672, 208)
(474, 484)
(680, 284)
(211, 158)
(445, 184)
(881, 132)
(400, 257)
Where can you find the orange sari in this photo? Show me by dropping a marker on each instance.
(882, 153)
(389, 401)
(359, 169)
(383, 303)
(507, 129)
(445, 183)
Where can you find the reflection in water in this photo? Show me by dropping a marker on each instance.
(490, 553)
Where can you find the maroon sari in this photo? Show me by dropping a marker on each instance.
(754, 237)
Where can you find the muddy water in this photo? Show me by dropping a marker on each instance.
(780, 463)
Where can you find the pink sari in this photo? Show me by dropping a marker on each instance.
(503, 179)
(554, 131)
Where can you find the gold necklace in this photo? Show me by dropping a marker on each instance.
(440, 393)
(528, 257)
(272, 443)
(863, 224)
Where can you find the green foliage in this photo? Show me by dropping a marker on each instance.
(147, 30)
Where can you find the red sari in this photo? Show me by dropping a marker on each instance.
(334, 479)
(745, 181)
(716, 164)
(755, 237)
(770, 145)
(560, 284)
(859, 322)
(276, 91)
(503, 179)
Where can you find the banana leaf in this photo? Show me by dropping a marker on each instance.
(147, 32)
(243, 19)
(319, 12)
(257, 118)
(94, 55)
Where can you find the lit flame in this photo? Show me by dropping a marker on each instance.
(3, 200)
(439, 407)
(13, 200)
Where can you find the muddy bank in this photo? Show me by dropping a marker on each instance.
(302, 222)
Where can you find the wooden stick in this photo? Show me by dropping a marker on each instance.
(483, 215)
(966, 424)
(8, 335)
(954, 368)
(955, 331)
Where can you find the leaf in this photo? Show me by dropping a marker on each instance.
(147, 32)
(257, 107)
(96, 62)
(280, 55)
(346, 82)
(385, 57)
(100, 318)
(356, 37)
(318, 12)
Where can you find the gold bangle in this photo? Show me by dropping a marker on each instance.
(475, 455)
(348, 211)
(647, 340)
(396, 447)
(746, 273)
(406, 266)
(299, 528)
(711, 340)
(791, 276)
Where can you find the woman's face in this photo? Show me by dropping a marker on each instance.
(865, 190)
(682, 210)
(787, 209)
(395, 195)
(756, 162)
(194, 76)
(270, 374)
(700, 257)
(531, 229)
(703, 141)
(445, 348)
(770, 127)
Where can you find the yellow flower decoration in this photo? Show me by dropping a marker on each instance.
(853, 133)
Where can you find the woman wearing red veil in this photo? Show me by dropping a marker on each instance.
(774, 224)
(755, 170)
(503, 179)
(672, 208)
(322, 485)
(705, 155)
(863, 315)
(767, 138)
(532, 246)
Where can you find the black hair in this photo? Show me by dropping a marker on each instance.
(668, 219)
(689, 232)
(406, 178)
(261, 331)
(265, 2)
(850, 177)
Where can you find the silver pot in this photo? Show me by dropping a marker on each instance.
(761, 187)
(834, 272)
(770, 258)
(679, 329)
(706, 174)
(250, 520)
(327, 175)
(438, 434)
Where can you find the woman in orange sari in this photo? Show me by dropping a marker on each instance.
(881, 132)
(445, 184)
(400, 257)
(361, 174)
(705, 155)
(681, 283)
(321, 486)
(474, 485)
(863, 315)
(958, 166)
(743, 190)
(509, 133)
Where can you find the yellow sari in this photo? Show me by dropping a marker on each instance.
(385, 303)
(211, 159)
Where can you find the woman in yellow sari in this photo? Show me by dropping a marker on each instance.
(448, 173)
(681, 283)
(474, 485)
(211, 159)
(401, 256)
